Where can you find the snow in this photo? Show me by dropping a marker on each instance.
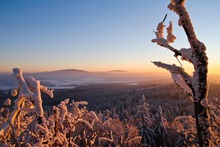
(204, 102)
(184, 20)
(170, 36)
(160, 41)
(86, 123)
(179, 81)
(7, 102)
(63, 110)
(187, 54)
(160, 30)
(29, 90)
(14, 91)
(24, 90)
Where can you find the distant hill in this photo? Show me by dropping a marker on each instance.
(80, 72)
(117, 71)
(64, 73)
(71, 70)
(70, 78)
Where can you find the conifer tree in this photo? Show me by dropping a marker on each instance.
(145, 119)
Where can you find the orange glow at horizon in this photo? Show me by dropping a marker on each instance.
(148, 68)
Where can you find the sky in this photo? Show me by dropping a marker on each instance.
(99, 35)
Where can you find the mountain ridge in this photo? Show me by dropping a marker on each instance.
(117, 71)
(71, 70)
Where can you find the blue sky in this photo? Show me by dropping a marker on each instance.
(97, 35)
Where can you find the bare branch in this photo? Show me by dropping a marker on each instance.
(179, 62)
(164, 18)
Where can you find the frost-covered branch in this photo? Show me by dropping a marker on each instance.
(24, 90)
(181, 83)
(86, 123)
(184, 20)
(107, 139)
(177, 70)
(63, 109)
(24, 93)
(36, 96)
(160, 40)
(180, 77)
(186, 54)
(28, 89)
(163, 42)
(47, 91)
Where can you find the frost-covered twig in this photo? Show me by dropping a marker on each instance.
(186, 54)
(36, 96)
(63, 110)
(107, 139)
(86, 123)
(133, 139)
(47, 91)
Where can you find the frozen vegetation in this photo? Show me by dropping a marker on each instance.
(101, 115)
